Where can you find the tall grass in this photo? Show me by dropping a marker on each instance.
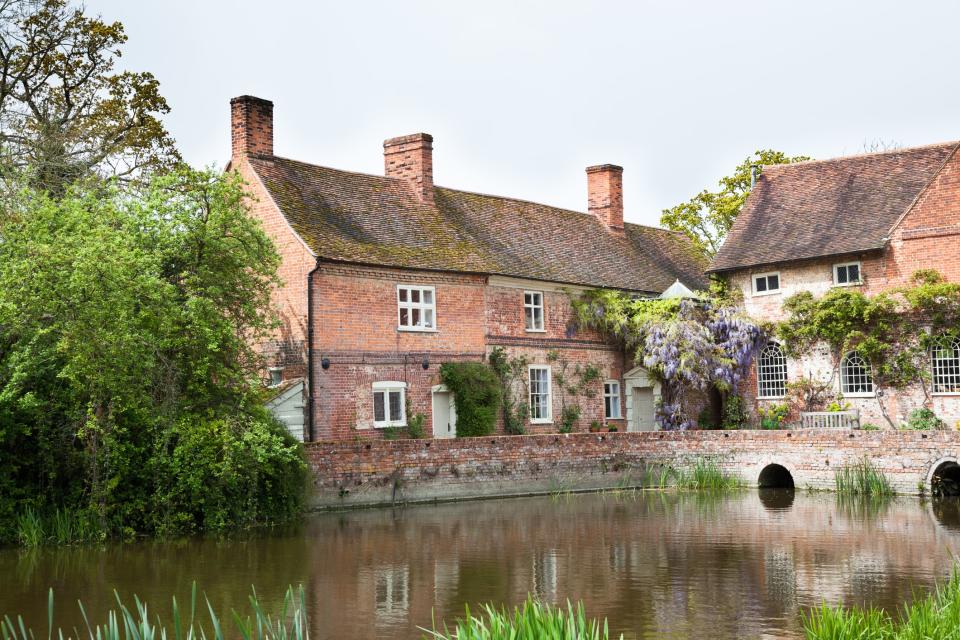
(533, 621)
(126, 624)
(705, 475)
(934, 617)
(861, 479)
(62, 527)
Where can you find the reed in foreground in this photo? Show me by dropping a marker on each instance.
(862, 479)
(935, 617)
(533, 621)
(126, 624)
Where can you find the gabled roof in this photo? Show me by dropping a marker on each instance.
(828, 207)
(366, 219)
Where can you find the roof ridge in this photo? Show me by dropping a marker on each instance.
(260, 156)
(858, 156)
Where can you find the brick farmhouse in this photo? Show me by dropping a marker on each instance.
(868, 222)
(385, 278)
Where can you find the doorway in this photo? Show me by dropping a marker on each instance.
(644, 409)
(444, 413)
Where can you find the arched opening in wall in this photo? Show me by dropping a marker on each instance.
(775, 476)
(945, 481)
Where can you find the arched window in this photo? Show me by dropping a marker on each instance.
(946, 366)
(772, 372)
(856, 377)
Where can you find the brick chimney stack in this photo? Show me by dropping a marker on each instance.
(411, 158)
(605, 195)
(251, 126)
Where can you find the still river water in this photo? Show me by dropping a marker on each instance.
(658, 565)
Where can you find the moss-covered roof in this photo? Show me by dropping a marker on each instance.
(354, 217)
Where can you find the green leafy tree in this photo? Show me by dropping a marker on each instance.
(126, 371)
(64, 110)
(708, 216)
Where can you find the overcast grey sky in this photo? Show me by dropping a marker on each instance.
(522, 96)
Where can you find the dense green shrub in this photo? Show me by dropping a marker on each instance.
(924, 420)
(774, 416)
(735, 414)
(476, 394)
(129, 394)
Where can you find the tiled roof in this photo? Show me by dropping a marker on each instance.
(376, 220)
(827, 207)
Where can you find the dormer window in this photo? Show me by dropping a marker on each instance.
(766, 283)
(846, 274)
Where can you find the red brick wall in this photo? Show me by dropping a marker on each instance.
(287, 348)
(353, 473)
(929, 235)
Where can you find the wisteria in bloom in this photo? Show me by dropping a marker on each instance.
(685, 345)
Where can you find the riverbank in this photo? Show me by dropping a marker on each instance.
(389, 472)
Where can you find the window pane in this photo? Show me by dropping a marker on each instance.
(414, 295)
(841, 275)
(528, 298)
(528, 317)
(428, 318)
(853, 273)
(761, 284)
(378, 413)
(395, 404)
(403, 295)
(773, 283)
(607, 407)
(538, 318)
(772, 372)
(415, 317)
(427, 296)
(404, 317)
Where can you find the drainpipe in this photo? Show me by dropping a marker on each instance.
(310, 421)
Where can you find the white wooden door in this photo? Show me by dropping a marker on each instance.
(444, 415)
(643, 409)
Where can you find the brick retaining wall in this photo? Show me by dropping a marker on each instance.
(387, 471)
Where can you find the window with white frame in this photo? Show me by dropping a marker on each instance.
(416, 307)
(766, 283)
(946, 366)
(389, 404)
(276, 376)
(772, 372)
(856, 377)
(611, 400)
(540, 406)
(533, 310)
(846, 274)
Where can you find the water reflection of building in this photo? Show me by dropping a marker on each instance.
(657, 564)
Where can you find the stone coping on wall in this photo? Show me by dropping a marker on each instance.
(378, 472)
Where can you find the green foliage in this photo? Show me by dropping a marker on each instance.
(61, 527)
(773, 417)
(869, 426)
(92, 118)
(533, 621)
(838, 405)
(887, 330)
(935, 616)
(127, 379)
(705, 475)
(124, 623)
(575, 381)
(735, 414)
(861, 479)
(512, 373)
(708, 216)
(476, 393)
(415, 425)
(705, 419)
(924, 420)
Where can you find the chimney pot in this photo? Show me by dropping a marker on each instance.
(251, 124)
(605, 195)
(410, 158)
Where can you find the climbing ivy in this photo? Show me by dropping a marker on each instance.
(572, 382)
(476, 394)
(894, 330)
(511, 372)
